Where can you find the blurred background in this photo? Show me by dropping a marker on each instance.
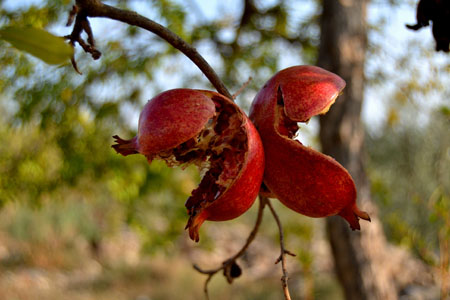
(78, 221)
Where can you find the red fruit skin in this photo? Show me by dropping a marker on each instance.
(303, 179)
(308, 90)
(176, 116)
(172, 118)
(242, 193)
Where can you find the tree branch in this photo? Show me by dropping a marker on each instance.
(242, 88)
(229, 263)
(95, 8)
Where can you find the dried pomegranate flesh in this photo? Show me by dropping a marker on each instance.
(185, 126)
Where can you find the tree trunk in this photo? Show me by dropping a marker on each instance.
(360, 257)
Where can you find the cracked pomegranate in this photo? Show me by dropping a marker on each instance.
(303, 179)
(185, 126)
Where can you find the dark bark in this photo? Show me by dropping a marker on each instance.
(358, 256)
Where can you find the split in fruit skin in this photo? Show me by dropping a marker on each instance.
(303, 179)
(204, 128)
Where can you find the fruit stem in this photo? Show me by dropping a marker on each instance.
(282, 257)
(231, 260)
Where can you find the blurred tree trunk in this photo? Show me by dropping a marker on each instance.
(360, 257)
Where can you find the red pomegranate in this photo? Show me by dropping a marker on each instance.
(185, 126)
(303, 179)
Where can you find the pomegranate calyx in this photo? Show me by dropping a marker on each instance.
(352, 214)
(125, 147)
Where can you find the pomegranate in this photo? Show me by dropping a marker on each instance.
(185, 126)
(303, 179)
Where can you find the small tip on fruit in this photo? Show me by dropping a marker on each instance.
(125, 147)
(194, 223)
(352, 215)
(362, 214)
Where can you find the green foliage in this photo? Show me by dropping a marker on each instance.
(62, 181)
(409, 170)
(60, 124)
(39, 43)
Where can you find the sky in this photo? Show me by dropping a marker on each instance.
(394, 39)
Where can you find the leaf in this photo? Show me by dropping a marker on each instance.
(39, 43)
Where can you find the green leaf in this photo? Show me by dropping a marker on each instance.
(39, 43)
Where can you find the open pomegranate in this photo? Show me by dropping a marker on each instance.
(185, 126)
(303, 179)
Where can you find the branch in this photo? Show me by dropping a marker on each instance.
(282, 257)
(229, 263)
(242, 88)
(95, 8)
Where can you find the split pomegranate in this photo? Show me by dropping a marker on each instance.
(185, 126)
(303, 179)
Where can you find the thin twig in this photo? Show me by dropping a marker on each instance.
(234, 96)
(95, 8)
(231, 260)
(72, 15)
(282, 257)
(81, 24)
